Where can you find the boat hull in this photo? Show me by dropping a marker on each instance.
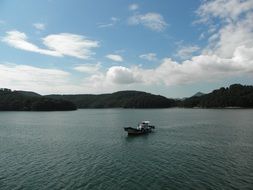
(134, 131)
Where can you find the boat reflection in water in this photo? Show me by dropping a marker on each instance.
(143, 128)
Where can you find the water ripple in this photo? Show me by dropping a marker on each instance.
(79, 150)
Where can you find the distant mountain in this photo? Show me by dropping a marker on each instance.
(121, 99)
(235, 95)
(30, 101)
(198, 94)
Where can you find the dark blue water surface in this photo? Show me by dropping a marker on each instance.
(88, 149)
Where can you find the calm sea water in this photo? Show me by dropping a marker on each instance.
(88, 149)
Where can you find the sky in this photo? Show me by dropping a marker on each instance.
(171, 48)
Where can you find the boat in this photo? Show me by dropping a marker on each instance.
(143, 128)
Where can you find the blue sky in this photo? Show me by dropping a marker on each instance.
(172, 48)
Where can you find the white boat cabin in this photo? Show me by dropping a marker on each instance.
(143, 124)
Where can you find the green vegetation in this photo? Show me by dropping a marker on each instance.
(28, 101)
(122, 99)
(234, 96)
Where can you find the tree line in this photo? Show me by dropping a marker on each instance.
(236, 95)
(18, 101)
(122, 99)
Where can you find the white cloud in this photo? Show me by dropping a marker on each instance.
(198, 68)
(27, 77)
(39, 26)
(114, 57)
(19, 40)
(149, 56)
(133, 7)
(153, 21)
(232, 36)
(169, 72)
(235, 28)
(186, 52)
(70, 44)
(88, 68)
(113, 21)
(63, 44)
(121, 75)
(46, 80)
(229, 10)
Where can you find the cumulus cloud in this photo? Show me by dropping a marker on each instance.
(149, 56)
(88, 68)
(133, 7)
(198, 68)
(63, 44)
(39, 26)
(121, 75)
(153, 21)
(114, 57)
(201, 68)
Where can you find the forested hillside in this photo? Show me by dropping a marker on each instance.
(122, 99)
(28, 101)
(235, 95)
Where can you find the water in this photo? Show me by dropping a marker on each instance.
(88, 149)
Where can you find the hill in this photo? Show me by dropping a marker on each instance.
(29, 101)
(121, 99)
(235, 95)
